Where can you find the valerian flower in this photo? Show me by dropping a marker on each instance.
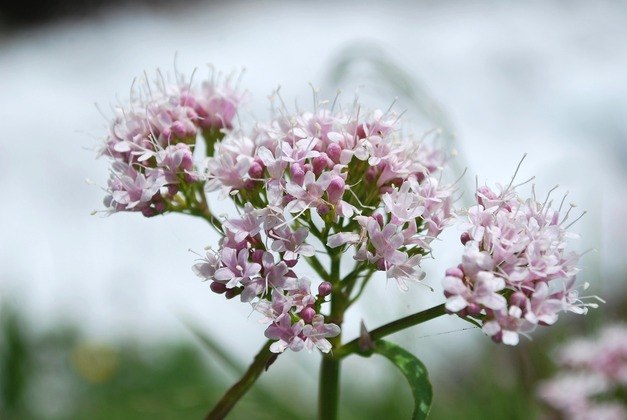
(591, 378)
(515, 272)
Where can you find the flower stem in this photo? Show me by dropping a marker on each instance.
(329, 388)
(329, 385)
(390, 328)
(237, 391)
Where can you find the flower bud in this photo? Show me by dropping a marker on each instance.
(323, 209)
(325, 289)
(307, 314)
(386, 189)
(370, 174)
(334, 151)
(455, 272)
(230, 293)
(160, 207)
(256, 170)
(336, 189)
(319, 164)
(379, 218)
(298, 173)
(257, 256)
(465, 237)
(149, 212)
(249, 184)
(217, 287)
(518, 299)
(172, 190)
(473, 309)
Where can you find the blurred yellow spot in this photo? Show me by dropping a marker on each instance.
(96, 363)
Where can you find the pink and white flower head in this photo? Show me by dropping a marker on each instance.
(152, 139)
(353, 175)
(592, 376)
(515, 272)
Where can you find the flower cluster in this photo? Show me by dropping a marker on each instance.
(151, 142)
(592, 377)
(342, 178)
(244, 266)
(515, 273)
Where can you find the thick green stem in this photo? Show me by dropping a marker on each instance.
(329, 388)
(390, 328)
(329, 385)
(238, 390)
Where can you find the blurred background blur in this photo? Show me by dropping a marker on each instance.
(101, 317)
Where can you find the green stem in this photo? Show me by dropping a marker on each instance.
(315, 263)
(237, 391)
(391, 328)
(329, 388)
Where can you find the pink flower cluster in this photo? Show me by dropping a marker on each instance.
(151, 141)
(396, 238)
(515, 273)
(245, 266)
(592, 377)
(354, 177)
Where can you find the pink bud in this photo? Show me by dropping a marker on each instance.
(371, 174)
(455, 272)
(230, 293)
(249, 184)
(334, 151)
(386, 189)
(307, 314)
(473, 309)
(498, 337)
(182, 130)
(323, 209)
(298, 173)
(255, 171)
(360, 132)
(149, 212)
(287, 198)
(319, 164)
(257, 256)
(325, 288)
(518, 299)
(190, 177)
(336, 189)
(160, 207)
(218, 288)
(465, 237)
(290, 263)
(379, 218)
(172, 190)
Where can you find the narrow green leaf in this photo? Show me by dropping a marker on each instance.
(415, 373)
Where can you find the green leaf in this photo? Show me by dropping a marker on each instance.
(415, 373)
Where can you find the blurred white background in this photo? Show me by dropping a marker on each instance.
(545, 77)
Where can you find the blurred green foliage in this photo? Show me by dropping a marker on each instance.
(58, 374)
